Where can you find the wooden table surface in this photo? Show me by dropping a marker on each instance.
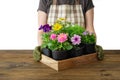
(19, 65)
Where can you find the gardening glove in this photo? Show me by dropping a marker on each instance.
(37, 53)
(100, 54)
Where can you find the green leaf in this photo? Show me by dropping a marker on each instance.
(69, 47)
(44, 45)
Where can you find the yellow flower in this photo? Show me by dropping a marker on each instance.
(57, 26)
(61, 19)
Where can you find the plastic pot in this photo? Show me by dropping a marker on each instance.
(90, 48)
(60, 55)
(47, 52)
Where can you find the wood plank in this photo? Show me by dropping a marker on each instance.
(77, 61)
(49, 62)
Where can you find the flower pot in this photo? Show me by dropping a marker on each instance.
(47, 52)
(60, 55)
(90, 48)
(77, 51)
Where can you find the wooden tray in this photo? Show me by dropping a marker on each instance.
(68, 63)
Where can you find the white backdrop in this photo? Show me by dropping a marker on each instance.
(18, 24)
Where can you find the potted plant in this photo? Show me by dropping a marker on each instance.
(89, 40)
(60, 46)
(64, 39)
(55, 40)
(59, 40)
(45, 37)
(78, 49)
(75, 32)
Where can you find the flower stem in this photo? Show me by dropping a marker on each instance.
(61, 46)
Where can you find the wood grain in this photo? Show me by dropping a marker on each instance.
(19, 65)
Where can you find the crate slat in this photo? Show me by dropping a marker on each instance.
(68, 63)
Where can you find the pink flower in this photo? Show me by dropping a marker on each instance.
(62, 37)
(53, 36)
(76, 39)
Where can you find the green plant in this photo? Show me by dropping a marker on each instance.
(46, 39)
(58, 36)
(55, 45)
(88, 38)
(74, 29)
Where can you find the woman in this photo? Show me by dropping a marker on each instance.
(77, 11)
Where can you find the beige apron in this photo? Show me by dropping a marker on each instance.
(72, 13)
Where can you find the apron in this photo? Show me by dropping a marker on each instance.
(72, 13)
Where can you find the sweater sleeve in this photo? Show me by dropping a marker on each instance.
(88, 5)
(42, 6)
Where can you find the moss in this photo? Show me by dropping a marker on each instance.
(37, 53)
(100, 54)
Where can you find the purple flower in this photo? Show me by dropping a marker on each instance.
(76, 39)
(41, 27)
(85, 33)
(46, 28)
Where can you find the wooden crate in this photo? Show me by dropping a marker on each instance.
(68, 63)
